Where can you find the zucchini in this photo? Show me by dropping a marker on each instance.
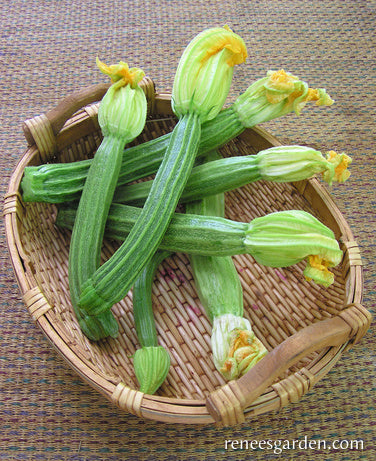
(201, 85)
(151, 361)
(63, 182)
(186, 233)
(235, 347)
(122, 115)
(277, 164)
(278, 239)
(112, 281)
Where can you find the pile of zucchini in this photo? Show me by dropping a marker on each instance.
(98, 197)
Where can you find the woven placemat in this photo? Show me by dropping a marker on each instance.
(48, 50)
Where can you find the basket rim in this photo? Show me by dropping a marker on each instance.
(169, 409)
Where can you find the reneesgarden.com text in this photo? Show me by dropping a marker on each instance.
(279, 445)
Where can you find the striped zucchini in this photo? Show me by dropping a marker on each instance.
(152, 361)
(235, 347)
(203, 76)
(278, 239)
(277, 164)
(111, 281)
(122, 115)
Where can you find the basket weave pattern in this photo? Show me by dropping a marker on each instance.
(278, 303)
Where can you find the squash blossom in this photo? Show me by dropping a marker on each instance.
(275, 95)
(235, 347)
(294, 163)
(122, 111)
(284, 238)
(205, 70)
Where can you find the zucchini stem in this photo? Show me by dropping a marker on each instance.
(142, 305)
(151, 362)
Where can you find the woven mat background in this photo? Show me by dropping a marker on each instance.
(48, 50)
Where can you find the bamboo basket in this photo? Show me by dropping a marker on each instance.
(306, 328)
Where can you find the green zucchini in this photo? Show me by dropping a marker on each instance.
(122, 115)
(278, 239)
(235, 346)
(152, 361)
(186, 233)
(201, 85)
(277, 164)
(63, 182)
(87, 235)
(111, 281)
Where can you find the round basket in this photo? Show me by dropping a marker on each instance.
(305, 327)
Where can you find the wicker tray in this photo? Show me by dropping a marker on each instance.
(305, 327)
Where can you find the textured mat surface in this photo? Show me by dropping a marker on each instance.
(48, 50)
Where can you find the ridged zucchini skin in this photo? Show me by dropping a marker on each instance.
(142, 301)
(63, 182)
(112, 281)
(88, 231)
(186, 233)
(210, 178)
(216, 278)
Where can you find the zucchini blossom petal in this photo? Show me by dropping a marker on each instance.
(275, 95)
(235, 346)
(340, 163)
(122, 73)
(205, 70)
(122, 111)
(294, 163)
(285, 238)
(317, 270)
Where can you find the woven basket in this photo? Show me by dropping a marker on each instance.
(305, 327)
